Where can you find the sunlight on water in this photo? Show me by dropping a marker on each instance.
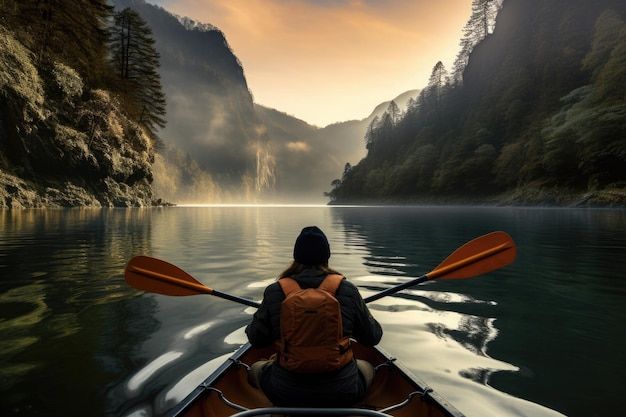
(261, 284)
(183, 387)
(449, 350)
(135, 383)
(196, 331)
(238, 337)
(265, 205)
(178, 390)
(21, 308)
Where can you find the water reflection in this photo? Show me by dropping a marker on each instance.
(61, 294)
(470, 332)
(528, 331)
(139, 379)
(551, 309)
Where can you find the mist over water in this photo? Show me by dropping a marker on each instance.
(539, 335)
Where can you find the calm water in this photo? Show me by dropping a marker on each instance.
(541, 337)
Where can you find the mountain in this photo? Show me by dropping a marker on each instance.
(402, 101)
(220, 146)
(537, 119)
(67, 139)
(308, 158)
(210, 112)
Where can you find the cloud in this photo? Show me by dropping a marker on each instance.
(298, 147)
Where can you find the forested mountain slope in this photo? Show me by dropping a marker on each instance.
(539, 116)
(309, 158)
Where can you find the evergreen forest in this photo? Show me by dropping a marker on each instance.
(533, 112)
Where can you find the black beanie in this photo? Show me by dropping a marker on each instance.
(311, 247)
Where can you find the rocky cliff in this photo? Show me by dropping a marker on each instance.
(210, 114)
(62, 144)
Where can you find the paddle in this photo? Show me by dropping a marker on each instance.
(476, 257)
(157, 276)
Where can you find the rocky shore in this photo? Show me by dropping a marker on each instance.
(16, 193)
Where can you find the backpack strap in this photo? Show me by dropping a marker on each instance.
(331, 283)
(289, 285)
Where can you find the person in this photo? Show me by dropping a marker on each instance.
(343, 387)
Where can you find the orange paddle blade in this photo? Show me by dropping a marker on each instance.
(479, 256)
(157, 276)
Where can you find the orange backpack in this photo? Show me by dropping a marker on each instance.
(311, 330)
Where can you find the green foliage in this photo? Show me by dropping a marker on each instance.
(179, 176)
(542, 104)
(68, 81)
(19, 77)
(60, 117)
(480, 24)
(607, 34)
(610, 76)
(136, 63)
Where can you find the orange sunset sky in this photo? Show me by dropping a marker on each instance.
(326, 61)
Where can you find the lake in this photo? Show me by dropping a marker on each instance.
(539, 337)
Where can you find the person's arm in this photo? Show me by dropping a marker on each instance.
(367, 330)
(259, 330)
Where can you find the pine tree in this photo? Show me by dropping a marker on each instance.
(370, 134)
(437, 83)
(395, 112)
(136, 62)
(480, 24)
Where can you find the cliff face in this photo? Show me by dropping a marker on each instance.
(210, 112)
(61, 145)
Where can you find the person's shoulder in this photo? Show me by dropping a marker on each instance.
(273, 293)
(347, 286)
(272, 289)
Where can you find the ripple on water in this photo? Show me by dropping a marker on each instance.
(449, 349)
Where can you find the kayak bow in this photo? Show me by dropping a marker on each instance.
(395, 391)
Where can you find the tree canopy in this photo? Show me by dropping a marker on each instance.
(540, 105)
(136, 62)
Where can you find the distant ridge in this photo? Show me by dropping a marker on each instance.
(191, 24)
(401, 101)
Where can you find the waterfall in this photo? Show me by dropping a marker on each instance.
(265, 167)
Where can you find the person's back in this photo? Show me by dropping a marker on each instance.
(339, 387)
(311, 329)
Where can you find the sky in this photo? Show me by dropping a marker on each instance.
(327, 61)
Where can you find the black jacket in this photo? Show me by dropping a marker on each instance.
(334, 389)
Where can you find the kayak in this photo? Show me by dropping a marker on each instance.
(395, 391)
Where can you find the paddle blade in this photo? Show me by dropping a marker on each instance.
(477, 257)
(157, 276)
